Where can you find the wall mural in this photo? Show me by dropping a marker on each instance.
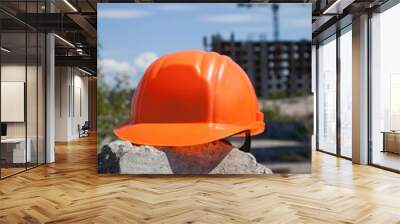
(191, 90)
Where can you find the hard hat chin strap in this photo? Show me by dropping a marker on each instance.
(247, 142)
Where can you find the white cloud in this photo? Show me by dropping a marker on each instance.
(234, 18)
(122, 13)
(175, 7)
(144, 59)
(111, 68)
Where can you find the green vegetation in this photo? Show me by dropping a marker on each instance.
(113, 105)
(274, 114)
(301, 131)
(277, 95)
(282, 95)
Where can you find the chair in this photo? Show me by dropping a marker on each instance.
(84, 130)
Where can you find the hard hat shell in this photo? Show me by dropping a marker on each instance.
(189, 98)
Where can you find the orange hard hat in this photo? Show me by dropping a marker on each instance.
(189, 98)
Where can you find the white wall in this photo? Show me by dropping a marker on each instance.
(13, 99)
(80, 100)
(71, 87)
(61, 103)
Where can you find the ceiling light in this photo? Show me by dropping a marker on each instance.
(329, 9)
(79, 51)
(65, 41)
(84, 71)
(70, 5)
(337, 7)
(5, 50)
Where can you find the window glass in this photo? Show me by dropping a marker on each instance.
(385, 89)
(31, 99)
(15, 150)
(22, 90)
(346, 93)
(327, 95)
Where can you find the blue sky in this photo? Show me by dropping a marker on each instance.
(132, 36)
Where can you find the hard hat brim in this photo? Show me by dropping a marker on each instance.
(181, 134)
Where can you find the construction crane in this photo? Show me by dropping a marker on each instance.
(275, 9)
(275, 15)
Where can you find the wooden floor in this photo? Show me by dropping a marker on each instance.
(10, 171)
(71, 191)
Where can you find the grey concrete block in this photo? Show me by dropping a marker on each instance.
(212, 158)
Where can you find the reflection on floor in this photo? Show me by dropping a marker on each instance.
(282, 156)
(10, 169)
(292, 168)
(387, 159)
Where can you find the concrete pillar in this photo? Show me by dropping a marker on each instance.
(50, 84)
(360, 90)
(314, 91)
(50, 92)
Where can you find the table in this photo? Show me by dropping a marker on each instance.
(391, 141)
(13, 150)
